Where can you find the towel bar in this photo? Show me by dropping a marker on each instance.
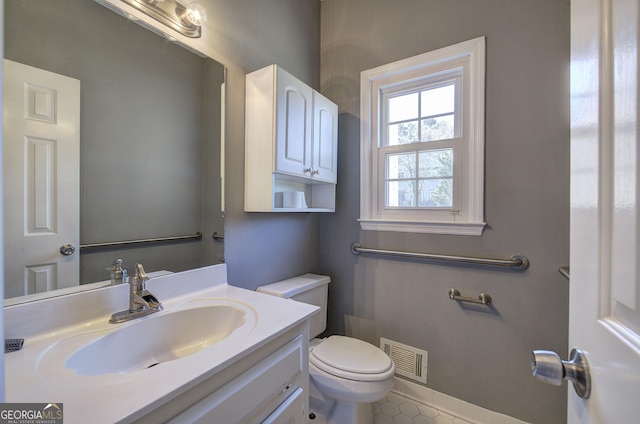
(483, 298)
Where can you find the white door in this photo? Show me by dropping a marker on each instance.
(41, 179)
(605, 222)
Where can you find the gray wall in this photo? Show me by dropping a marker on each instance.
(247, 35)
(478, 355)
(265, 247)
(149, 120)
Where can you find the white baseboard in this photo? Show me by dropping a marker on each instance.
(450, 405)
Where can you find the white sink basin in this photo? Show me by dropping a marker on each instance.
(161, 337)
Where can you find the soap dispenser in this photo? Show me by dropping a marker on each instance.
(117, 273)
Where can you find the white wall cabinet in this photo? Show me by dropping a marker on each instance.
(291, 140)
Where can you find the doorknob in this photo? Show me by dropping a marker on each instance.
(67, 249)
(548, 367)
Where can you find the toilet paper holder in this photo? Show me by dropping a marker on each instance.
(483, 298)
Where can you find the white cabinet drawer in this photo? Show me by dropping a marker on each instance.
(251, 391)
(291, 411)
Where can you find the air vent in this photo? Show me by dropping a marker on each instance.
(410, 362)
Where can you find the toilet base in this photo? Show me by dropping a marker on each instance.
(335, 412)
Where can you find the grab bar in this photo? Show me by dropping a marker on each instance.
(197, 236)
(483, 298)
(516, 262)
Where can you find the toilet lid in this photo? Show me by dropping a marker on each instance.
(351, 358)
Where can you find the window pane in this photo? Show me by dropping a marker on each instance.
(440, 128)
(438, 101)
(402, 108)
(436, 163)
(436, 193)
(401, 193)
(402, 165)
(404, 133)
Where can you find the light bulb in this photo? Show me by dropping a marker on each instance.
(195, 13)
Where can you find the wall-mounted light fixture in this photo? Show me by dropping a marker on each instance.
(185, 19)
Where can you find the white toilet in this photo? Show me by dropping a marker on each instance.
(346, 374)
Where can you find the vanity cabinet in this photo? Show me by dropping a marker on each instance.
(269, 386)
(252, 370)
(291, 134)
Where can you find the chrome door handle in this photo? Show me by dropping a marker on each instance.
(548, 367)
(67, 249)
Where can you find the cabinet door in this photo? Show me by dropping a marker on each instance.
(325, 139)
(293, 125)
(290, 412)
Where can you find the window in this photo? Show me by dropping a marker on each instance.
(422, 164)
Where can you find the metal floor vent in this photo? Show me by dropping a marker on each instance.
(410, 362)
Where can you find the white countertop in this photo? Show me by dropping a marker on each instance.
(114, 398)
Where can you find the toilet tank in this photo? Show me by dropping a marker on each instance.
(307, 288)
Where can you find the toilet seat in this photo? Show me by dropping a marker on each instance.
(352, 359)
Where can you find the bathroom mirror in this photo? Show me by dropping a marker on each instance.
(150, 139)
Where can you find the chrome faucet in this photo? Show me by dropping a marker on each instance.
(141, 301)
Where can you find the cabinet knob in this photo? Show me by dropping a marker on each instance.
(308, 170)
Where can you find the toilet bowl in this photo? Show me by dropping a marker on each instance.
(346, 374)
(350, 374)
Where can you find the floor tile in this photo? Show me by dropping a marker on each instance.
(396, 409)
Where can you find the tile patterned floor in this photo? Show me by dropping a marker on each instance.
(396, 409)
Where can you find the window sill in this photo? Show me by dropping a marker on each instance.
(424, 227)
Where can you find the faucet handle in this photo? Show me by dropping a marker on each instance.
(139, 273)
(137, 281)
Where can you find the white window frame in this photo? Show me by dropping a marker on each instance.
(467, 215)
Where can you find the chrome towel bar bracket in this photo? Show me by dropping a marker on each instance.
(515, 262)
(483, 298)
